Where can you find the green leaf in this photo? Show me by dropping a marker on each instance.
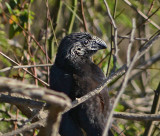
(14, 28)
(3, 39)
(15, 1)
(32, 1)
(8, 7)
(125, 20)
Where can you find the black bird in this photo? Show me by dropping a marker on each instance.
(76, 75)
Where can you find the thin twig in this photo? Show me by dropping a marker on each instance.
(38, 105)
(126, 78)
(141, 14)
(12, 120)
(83, 16)
(150, 7)
(28, 34)
(115, 28)
(109, 60)
(50, 96)
(80, 20)
(26, 128)
(135, 38)
(46, 37)
(109, 79)
(29, 45)
(115, 8)
(154, 110)
(137, 117)
(23, 68)
(21, 101)
(131, 42)
(113, 76)
(145, 65)
(145, 20)
(120, 92)
(114, 39)
(142, 23)
(72, 16)
(51, 22)
(58, 101)
(109, 14)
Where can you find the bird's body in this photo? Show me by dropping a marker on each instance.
(76, 75)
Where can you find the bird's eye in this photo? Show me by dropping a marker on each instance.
(78, 49)
(86, 42)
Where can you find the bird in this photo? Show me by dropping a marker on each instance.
(75, 74)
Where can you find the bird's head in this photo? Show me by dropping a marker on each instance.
(79, 46)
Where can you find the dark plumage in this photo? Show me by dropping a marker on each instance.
(75, 74)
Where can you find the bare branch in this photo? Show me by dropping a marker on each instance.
(141, 14)
(131, 42)
(26, 128)
(109, 79)
(125, 81)
(58, 101)
(21, 101)
(84, 20)
(115, 28)
(50, 96)
(154, 110)
(28, 33)
(24, 66)
(139, 69)
(135, 38)
(137, 117)
(118, 73)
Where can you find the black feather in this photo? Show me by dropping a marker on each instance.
(75, 74)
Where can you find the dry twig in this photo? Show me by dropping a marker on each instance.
(138, 54)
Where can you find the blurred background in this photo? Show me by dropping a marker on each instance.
(31, 30)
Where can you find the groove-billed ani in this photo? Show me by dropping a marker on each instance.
(75, 74)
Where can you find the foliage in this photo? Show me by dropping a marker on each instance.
(30, 33)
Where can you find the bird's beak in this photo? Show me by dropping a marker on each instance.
(98, 43)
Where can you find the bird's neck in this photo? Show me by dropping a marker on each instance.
(80, 68)
(74, 67)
